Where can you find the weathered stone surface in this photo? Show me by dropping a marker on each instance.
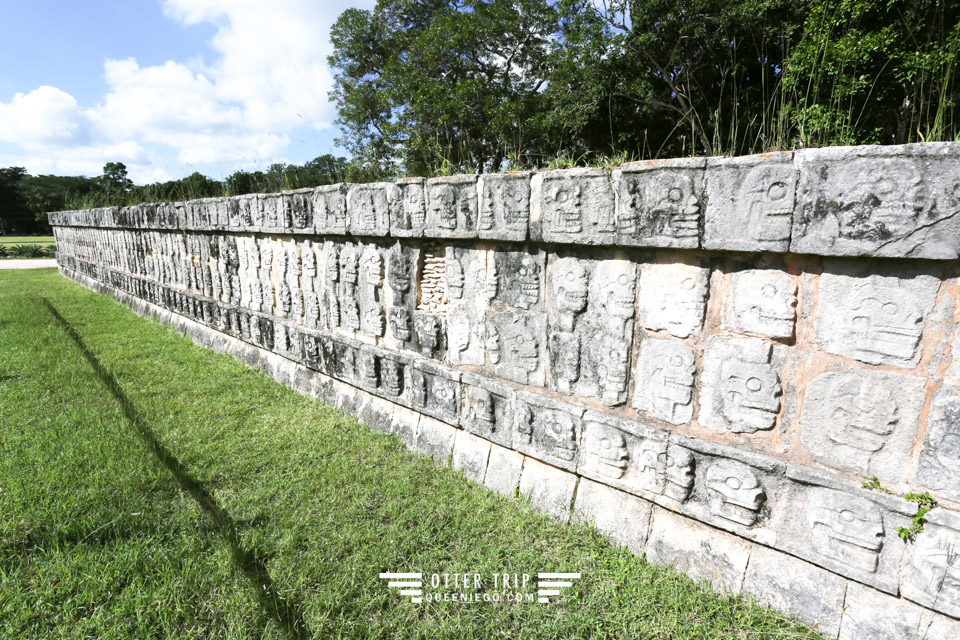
(932, 573)
(939, 465)
(664, 380)
(621, 517)
(406, 425)
(659, 203)
(434, 390)
(762, 302)
(376, 413)
(628, 455)
(673, 298)
(740, 386)
(368, 207)
(517, 279)
(871, 615)
(862, 421)
(466, 284)
(750, 203)
(503, 471)
(435, 439)
(408, 217)
(700, 551)
(549, 489)
(504, 206)
(488, 409)
(573, 205)
(330, 209)
(452, 207)
(875, 319)
(515, 346)
(796, 587)
(470, 455)
(879, 201)
(547, 429)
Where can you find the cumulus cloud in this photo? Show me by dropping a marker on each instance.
(269, 77)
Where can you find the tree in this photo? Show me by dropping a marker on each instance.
(14, 215)
(114, 184)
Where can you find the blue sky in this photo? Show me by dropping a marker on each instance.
(167, 87)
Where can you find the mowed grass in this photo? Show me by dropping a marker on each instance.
(42, 240)
(150, 488)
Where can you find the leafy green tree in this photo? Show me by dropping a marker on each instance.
(114, 185)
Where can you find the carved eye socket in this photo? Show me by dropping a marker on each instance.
(674, 195)
(519, 340)
(733, 483)
(754, 384)
(847, 515)
(561, 196)
(768, 291)
(676, 361)
(623, 280)
(688, 284)
(570, 277)
(777, 191)
(890, 308)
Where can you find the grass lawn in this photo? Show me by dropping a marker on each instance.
(150, 488)
(41, 240)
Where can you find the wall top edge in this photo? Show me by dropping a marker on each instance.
(861, 201)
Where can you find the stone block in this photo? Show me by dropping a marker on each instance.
(452, 207)
(750, 202)
(862, 421)
(740, 390)
(939, 465)
(434, 390)
(408, 218)
(665, 380)
(516, 346)
(931, 576)
(504, 206)
(488, 409)
(879, 201)
(762, 302)
(549, 489)
(871, 615)
(547, 429)
(368, 208)
(503, 470)
(466, 288)
(517, 279)
(797, 588)
(697, 550)
(298, 210)
(621, 517)
(435, 439)
(875, 319)
(660, 203)
(673, 298)
(406, 425)
(376, 413)
(573, 205)
(470, 455)
(330, 209)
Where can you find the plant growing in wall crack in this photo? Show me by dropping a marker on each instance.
(925, 503)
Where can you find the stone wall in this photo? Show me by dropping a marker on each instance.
(705, 358)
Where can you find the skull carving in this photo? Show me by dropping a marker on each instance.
(480, 410)
(391, 372)
(608, 450)
(443, 205)
(564, 201)
(678, 465)
(750, 395)
(845, 528)
(735, 493)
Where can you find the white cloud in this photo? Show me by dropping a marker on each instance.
(270, 77)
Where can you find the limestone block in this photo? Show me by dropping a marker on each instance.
(517, 279)
(862, 421)
(368, 208)
(435, 439)
(939, 465)
(369, 289)
(932, 573)
(470, 455)
(633, 457)
(503, 470)
(697, 550)
(871, 615)
(795, 587)
(762, 302)
(435, 390)
(740, 389)
(298, 210)
(673, 298)
(549, 489)
(402, 261)
(429, 334)
(452, 207)
(406, 425)
(879, 201)
(376, 413)
(348, 399)
(934, 626)
(850, 531)
(504, 205)
(393, 374)
(330, 209)
(750, 203)
(466, 279)
(515, 346)
(875, 319)
(659, 203)
(488, 409)
(621, 517)
(547, 429)
(408, 218)
(271, 213)
(665, 380)
(573, 205)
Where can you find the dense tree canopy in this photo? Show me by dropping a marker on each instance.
(426, 86)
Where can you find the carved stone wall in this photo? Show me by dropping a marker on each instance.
(705, 358)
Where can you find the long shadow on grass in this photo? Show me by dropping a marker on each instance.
(286, 614)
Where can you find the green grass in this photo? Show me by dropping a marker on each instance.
(150, 488)
(26, 240)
